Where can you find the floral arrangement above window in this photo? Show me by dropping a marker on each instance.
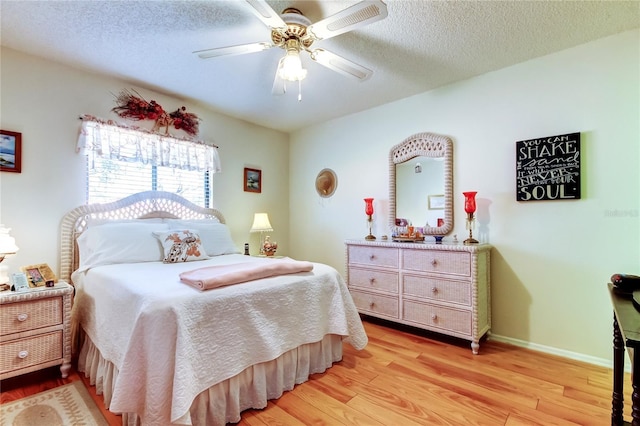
(135, 107)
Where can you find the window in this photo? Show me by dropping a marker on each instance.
(122, 161)
(109, 180)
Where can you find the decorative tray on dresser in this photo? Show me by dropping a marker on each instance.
(35, 330)
(444, 288)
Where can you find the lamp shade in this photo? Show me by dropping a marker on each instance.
(261, 223)
(290, 67)
(7, 242)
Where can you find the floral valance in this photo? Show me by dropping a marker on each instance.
(108, 139)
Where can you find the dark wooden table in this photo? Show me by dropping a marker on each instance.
(626, 334)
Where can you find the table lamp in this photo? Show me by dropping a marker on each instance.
(7, 247)
(261, 224)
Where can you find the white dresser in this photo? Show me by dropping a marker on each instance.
(443, 288)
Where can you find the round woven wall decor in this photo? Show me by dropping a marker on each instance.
(326, 183)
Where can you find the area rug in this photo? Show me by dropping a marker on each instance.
(65, 405)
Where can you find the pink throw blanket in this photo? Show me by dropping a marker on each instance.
(222, 275)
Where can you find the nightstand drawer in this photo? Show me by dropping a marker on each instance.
(375, 303)
(373, 256)
(373, 280)
(436, 289)
(30, 315)
(438, 317)
(455, 263)
(23, 353)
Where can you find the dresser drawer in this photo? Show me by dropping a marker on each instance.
(437, 289)
(23, 353)
(375, 303)
(446, 262)
(30, 315)
(438, 317)
(373, 280)
(373, 256)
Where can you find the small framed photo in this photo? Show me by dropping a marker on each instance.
(252, 180)
(39, 275)
(436, 202)
(19, 281)
(10, 151)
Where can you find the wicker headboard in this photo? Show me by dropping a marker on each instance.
(143, 205)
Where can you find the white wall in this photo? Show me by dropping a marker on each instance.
(551, 259)
(43, 100)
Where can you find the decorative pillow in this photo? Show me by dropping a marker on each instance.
(181, 246)
(120, 242)
(215, 236)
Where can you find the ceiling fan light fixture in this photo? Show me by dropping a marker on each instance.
(290, 67)
(294, 32)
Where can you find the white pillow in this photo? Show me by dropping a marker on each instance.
(181, 246)
(120, 242)
(216, 237)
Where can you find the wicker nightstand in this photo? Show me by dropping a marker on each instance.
(35, 330)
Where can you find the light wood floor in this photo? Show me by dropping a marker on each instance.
(404, 378)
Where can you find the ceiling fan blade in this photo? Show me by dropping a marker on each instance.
(233, 50)
(356, 16)
(279, 87)
(267, 14)
(340, 64)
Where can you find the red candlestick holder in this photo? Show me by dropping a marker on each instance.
(368, 210)
(470, 209)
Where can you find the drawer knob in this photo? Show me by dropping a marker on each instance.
(23, 317)
(372, 256)
(434, 289)
(434, 262)
(434, 317)
(371, 305)
(372, 280)
(23, 354)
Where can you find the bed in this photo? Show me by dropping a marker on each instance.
(163, 352)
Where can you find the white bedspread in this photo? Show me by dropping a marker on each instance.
(170, 341)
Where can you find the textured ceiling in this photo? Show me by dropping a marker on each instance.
(420, 46)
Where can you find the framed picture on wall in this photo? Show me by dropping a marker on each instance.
(436, 202)
(252, 180)
(10, 151)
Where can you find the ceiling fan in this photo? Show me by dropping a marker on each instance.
(293, 32)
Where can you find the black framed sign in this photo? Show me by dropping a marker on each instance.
(548, 168)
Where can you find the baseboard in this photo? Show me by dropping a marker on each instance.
(602, 362)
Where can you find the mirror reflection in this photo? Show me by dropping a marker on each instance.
(421, 183)
(420, 191)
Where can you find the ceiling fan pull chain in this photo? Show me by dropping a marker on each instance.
(299, 90)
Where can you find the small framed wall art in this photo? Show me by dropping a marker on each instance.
(10, 151)
(436, 202)
(252, 180)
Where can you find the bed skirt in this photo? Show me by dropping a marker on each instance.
(222, 403)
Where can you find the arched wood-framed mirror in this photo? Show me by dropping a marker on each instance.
(421, 182)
